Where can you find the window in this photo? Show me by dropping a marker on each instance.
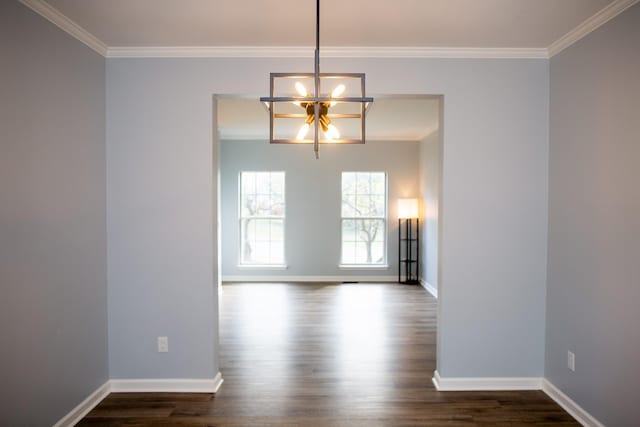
(262, 210)
(364, 213)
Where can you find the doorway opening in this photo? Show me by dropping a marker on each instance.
(281, 220)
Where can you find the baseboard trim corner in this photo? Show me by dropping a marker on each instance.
(217, 382)
(436, 380)
(138, 385)
(429, 287)
(575, 410)
(83, 408)
(168, 385)
(486, 384)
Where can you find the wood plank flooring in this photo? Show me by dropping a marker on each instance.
(328, 355)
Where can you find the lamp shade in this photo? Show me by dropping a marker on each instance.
(407, 208)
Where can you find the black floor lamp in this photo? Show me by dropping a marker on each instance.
(408, 241)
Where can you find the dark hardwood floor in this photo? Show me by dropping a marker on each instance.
(328, 355)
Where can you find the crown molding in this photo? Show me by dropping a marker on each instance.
(52, 14)
(325, 52)
(435, 52)
(209, 52)
(591, 24)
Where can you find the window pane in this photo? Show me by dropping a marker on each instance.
(370, 240)
(277, 230)
(247, 205)
(277, 252)
(348, 231)
(348, 183)
(247, 239)
(378, 206)
(364, 205)
(348, 252)
(248, 183)
(261, 255)
(378, 183)
(349, 205)
(361, 253)
(363, 182)
(262, 205)
(262, 232)
(277, 184)
(377, 250)
(262, 182)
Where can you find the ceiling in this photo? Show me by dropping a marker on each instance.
(399, 118)
(352, 23)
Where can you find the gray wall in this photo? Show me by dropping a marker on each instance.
(594, 221)
(53, 306)
(430, 182)
(161, 190)
(312, 237)
(161, 215)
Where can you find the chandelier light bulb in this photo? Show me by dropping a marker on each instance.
(303, 132)
(339, 90)
(302, 91)
(333, 132)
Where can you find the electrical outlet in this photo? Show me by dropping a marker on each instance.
(571, 361)
(163, 344)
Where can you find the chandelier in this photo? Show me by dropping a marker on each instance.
(317, 108)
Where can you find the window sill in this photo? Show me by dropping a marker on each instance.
(262, 267)
(363, 266)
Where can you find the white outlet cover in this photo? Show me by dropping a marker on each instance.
(163, 344)
(571, 361)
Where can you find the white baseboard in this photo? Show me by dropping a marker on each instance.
(169, 385)
(77, 413)
(429, 287)
(526, 383)
(493, 384)
(142, 385)
(575, 410)
(213, 385)
(339, 279)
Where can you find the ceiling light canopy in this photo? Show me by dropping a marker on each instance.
(329, 108)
